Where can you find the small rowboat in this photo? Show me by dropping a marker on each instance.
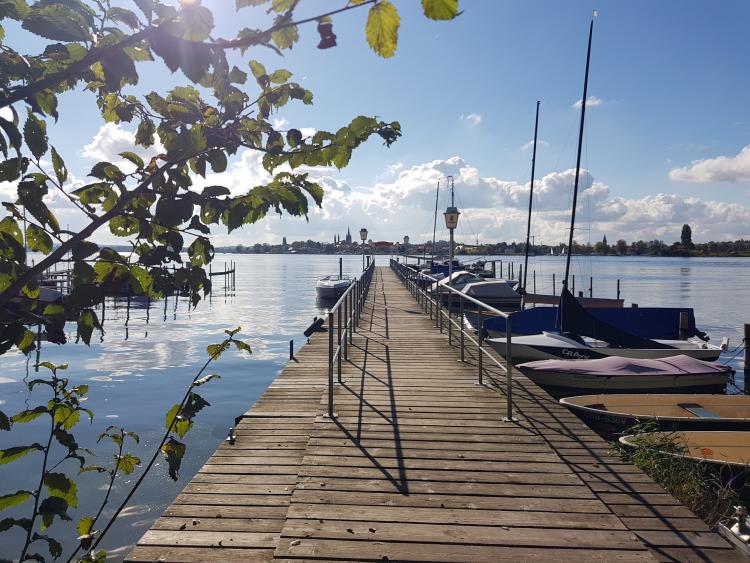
(616, 374)
(613, 414)
(332, 287)
(723, 448)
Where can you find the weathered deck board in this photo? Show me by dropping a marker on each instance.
(418, 466)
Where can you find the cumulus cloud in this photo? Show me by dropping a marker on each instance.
(530, 145)
(591, 102)
(719, 169)
(111, 140)
(472, 119)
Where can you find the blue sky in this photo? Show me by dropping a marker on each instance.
(669, 78)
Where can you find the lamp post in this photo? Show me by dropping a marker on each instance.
(363, 236)
(451, 222)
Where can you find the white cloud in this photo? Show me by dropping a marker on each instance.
(591, 102)
(720, 169)
(492, 208)
(111, 140)
(530, 144)
(472, 119)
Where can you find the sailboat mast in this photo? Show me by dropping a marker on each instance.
(434, 223)
(531, 196)
(578, 159)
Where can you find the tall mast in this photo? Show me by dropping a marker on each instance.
(531, 196)
(434, 224)
(578, 160)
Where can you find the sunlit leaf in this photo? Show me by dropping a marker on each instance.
(13, 499)
(12, 454)
(381, 29)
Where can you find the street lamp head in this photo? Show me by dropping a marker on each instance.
(451, 217)
(363, 234)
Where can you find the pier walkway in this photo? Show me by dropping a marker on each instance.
(418, 465)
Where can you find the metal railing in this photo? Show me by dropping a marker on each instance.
(343, 320)
(420, 286)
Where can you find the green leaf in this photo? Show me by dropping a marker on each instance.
(205, 379)
(280, 76)
(216, 350)
(38, 239)
(198, 22)
(132, 157)
(124, 16)
(12, 168)
(59, 165)
(51, 507)
(84, 525)
(381, 29)
(245, 3)
(66, 417)
(242, 346)
(257, 69)
(57, 21)
(201, 252)
(59, 485)
(28, 415)
(87, 321)
(127, 463)
(285, 37)
(7, 523)
(12, 454)
(35, 133)
(147, 7)
(174, 451)
(13, 499)
(440, 9)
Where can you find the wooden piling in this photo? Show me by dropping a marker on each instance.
(683, 328)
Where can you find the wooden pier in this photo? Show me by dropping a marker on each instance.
(418, 465)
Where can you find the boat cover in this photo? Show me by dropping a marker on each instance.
(613, 366)
(495, 288)
(662, 323)
(575, 319)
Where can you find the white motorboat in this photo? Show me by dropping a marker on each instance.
(619, 374)
(553, 345)
(495, 293)
(332, 287)
(456, 280)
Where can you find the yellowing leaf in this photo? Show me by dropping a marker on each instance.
(381, 29)
(440, 9)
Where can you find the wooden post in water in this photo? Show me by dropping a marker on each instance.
(745, 341)
(573, 287)
(591, 286)
(553, 284)
(683, 328)
(341, 267)
(534, 281)
(618, 288)
(494, 269)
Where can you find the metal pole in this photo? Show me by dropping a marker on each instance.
(338, 331)
(591, 286)
(553, 284)
(351, 316)
(574, 284)
(480, 340)
(534, 281)
(341, 268)
(346, 327)
(509, 367)
(460, 323)
(440, 307)
(330, 365)
(618, 289)
(291, 350)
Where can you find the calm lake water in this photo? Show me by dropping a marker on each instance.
(137, 372)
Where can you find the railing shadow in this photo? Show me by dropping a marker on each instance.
(397, 478)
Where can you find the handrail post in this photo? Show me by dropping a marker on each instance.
(351, 317)
(509, 368)
(440, 307)
(461, 325)
(338, 336)
(330, 364)
(346, 327)
(450, 318)
(480, 340)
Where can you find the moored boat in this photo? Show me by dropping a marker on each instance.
(331, 287)
(721, 448)
(619, 374)
(614, 414)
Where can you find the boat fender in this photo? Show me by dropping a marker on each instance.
(316, 326)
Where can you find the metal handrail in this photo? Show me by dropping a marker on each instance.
(350, 303)
(425, 299)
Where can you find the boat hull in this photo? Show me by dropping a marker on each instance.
(531, 352)
(615, 416)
